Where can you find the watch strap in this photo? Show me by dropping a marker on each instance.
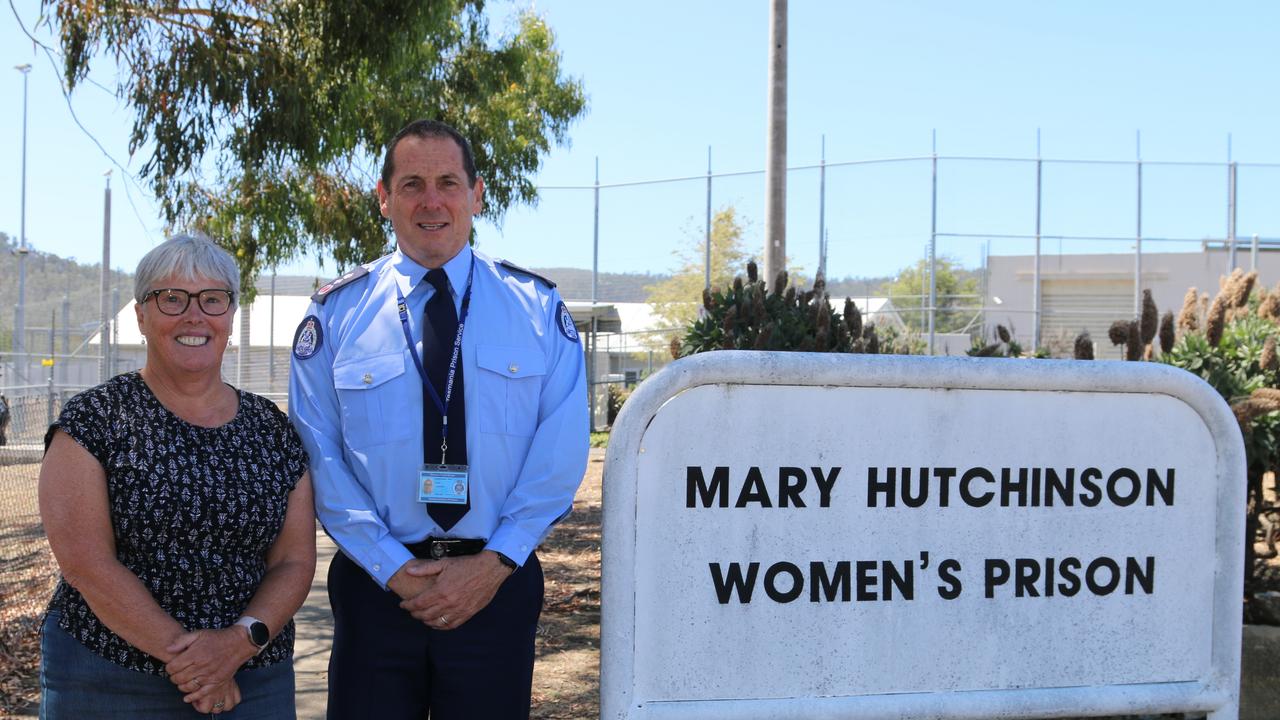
(255, 629)
(506, 561)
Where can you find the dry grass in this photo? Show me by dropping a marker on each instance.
(27, 577)
(566, 682)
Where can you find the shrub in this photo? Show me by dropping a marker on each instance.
(750, 316)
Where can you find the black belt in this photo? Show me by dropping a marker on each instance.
(436, 548)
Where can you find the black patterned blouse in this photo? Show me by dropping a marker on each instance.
(194, 510)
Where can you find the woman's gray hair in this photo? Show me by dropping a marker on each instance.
(186, 256)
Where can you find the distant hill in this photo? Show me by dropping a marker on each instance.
(575, 284)
(49, 279)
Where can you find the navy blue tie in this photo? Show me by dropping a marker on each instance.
(440, 328)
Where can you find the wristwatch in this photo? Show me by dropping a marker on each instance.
(259, 635)
(506, 561)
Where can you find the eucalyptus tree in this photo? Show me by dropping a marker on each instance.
(262, 122)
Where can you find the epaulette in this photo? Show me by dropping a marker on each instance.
(346, 278)
(516, 268)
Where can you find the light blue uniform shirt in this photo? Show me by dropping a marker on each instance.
(356, 398)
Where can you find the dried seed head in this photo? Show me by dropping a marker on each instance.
(820, 284)
(1269, 308)
(1118, 333)
(852, 318)
(1083, 348)
(753, 273)
(1244, 287)
(675, 348)
(737, 284)
(1216, 322)
(1166, 332)
(1003, 333)
(780, 282)
(1188, 317)
(1150, 319)
(762, 340)
(790, 296)
(706, 299)
(1133, 347)
(1268, 360)
(873, 340)
(1267, 393)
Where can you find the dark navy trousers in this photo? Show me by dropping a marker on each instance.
(387, 665)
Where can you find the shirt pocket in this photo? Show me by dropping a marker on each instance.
(510, 386)
(374, 399)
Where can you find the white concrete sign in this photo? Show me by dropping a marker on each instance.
(797, 535)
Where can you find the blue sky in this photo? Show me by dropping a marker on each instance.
(666, 80)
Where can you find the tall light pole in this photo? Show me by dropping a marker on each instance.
(20, 320)
(775, 174)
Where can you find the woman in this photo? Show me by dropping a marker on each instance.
(180, 512)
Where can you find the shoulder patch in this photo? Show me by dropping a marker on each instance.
(517, 269)
(308, 338)
(346, 278)
(565, 321)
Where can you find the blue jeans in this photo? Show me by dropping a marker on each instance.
(77, 683)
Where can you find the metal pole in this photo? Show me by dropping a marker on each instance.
(104, 306)
(595, 271)
(1231, 213)
(66, 337)
(53, 321)
(20, 320)
(1036, 311)
(933, 243)
(775, 177)
(1253, 253)
(707, 283)
(1137, 254)
(113, 363)
(271, 337)
(242, 352)
(822, 210)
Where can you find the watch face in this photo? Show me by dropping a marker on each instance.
(259, 633)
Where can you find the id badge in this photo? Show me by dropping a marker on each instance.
(443, 484)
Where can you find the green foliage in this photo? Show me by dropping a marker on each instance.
(1234, 350)
(749, 316)
(911, 290)
(1002, 345)
(600, 439)
(266, 119)
(675, 299)
(618, 395)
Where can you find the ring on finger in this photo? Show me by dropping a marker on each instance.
(196, 682)
(444, 620)
(218, 705)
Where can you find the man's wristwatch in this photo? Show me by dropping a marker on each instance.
(508, 562)
(259, 635)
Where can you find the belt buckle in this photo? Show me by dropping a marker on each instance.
(437, 549)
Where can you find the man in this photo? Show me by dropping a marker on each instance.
(441, 396)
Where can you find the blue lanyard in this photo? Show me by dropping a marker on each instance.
(441, 405)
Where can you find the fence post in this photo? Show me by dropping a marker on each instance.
(53, 320)
(933, 243)
(1035, 279)
(707, 284)
(1137, 255)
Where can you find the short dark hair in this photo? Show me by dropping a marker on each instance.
(429, 129)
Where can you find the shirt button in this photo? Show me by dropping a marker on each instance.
(377, 568)
(368, 379)
(513, 368)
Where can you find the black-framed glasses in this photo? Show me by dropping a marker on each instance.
(175, 301)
